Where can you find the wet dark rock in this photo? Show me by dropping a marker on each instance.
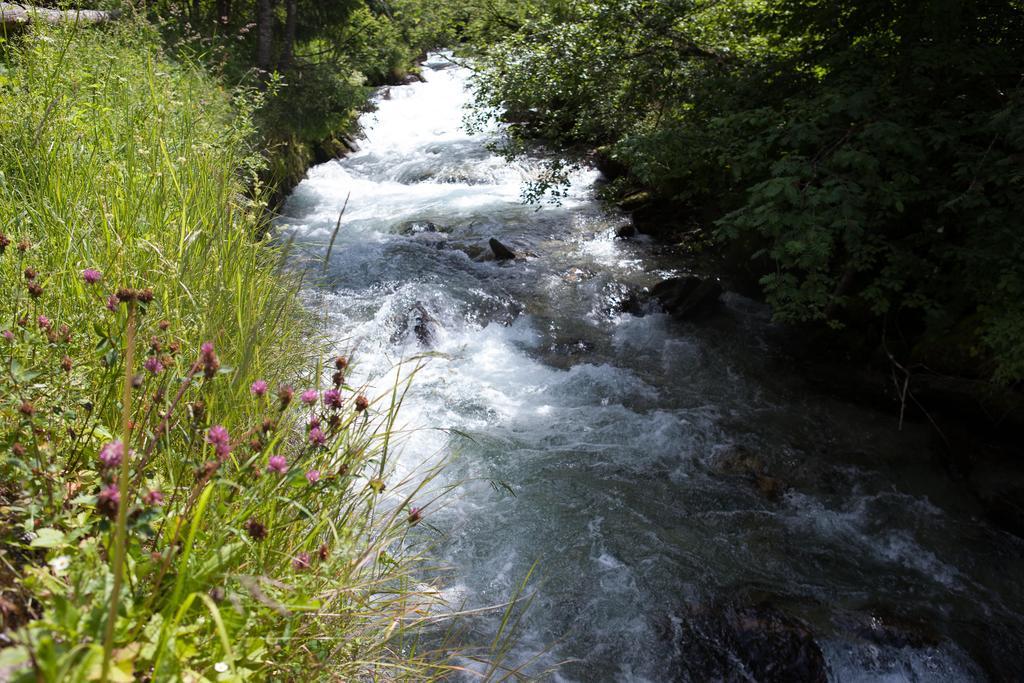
(438, 240)
(418, 227)
(476, 252)
(619, 297)
(770, 487)
(887, 630)
(625, 232)
(740, 460)
(610, 167)
(754, 643)
(573, 347)
(1002, 501)
(688, 298)
(575, 275)
(423, 324)
(501, 252)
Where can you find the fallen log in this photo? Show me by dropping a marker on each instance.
(14, 17)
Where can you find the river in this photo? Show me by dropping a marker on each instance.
(622, 453)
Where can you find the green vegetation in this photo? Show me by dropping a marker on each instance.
(140, 310)
(316, 61)
(862, 158)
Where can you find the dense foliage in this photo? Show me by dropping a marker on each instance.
(867, 155)
(170, 508)
(316, 61)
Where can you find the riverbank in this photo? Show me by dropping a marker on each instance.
(198, 482)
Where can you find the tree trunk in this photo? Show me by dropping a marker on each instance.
(264, 37)
(223, 12)
(14, 17)
(288, 51)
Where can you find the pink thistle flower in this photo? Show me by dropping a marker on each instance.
(301, 562)
(415, 515)
(277, 464)
(218, 436)
(313, 476)
(309, 396)
(317, 437)
(313, 422)
(113, 302)
(109, 501)
(91, 276)
(111, 454)
(210, 363)
(332, 398)
(153, 498)
(8, 335)
(44, 322)
(258, 388)
(154, 365)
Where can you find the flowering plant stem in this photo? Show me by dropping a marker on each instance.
(120, 529)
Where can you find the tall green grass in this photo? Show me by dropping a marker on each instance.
(115, 158)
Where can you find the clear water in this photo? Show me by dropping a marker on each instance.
(612, 430)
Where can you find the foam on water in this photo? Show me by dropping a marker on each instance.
(609, 427)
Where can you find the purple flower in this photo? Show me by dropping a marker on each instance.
(218, 436)
(277, 464)
(415, 515)
(258, 388)
(309, 396)
(153, 497)
(209, 361)
(113, 302)
(313, 422)
(154, 365)
(91, 276)
(317, 437)
(313, 476)
(111, 454)
(302, 561)
(332, 398)
(44, 322)
(109, 501)
(8, 335)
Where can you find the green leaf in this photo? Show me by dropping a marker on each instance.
(48, 538)
(22, 375)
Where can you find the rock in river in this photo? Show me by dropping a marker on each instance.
(748, 643)
(688, 298)
(501, 252)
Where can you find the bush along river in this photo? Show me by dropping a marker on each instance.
(695, 510)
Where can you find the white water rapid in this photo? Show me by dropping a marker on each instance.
(633, 443)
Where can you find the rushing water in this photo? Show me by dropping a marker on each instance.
(631, 442)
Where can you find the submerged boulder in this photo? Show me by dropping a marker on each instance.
(688, 298)
(417, 227)
(747, 643)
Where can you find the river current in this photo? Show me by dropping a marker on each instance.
(678, 488)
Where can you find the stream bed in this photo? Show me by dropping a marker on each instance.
(694, 509)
